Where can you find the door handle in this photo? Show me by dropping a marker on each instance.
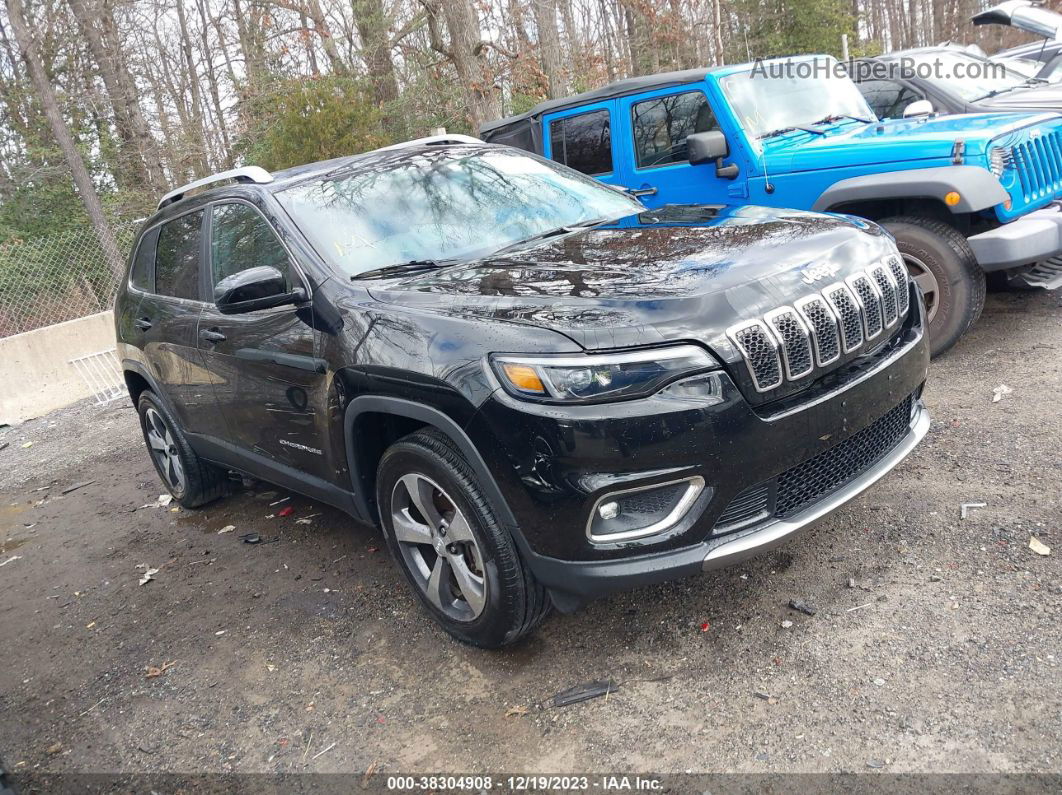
(142, 323)
(212, 335)
(642, 192)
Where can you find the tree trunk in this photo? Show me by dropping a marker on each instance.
(46, 96)
(468, 53)
(374, 32)
(141, 167)
(549, 48)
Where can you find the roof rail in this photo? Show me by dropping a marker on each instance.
(255, 174)
(445, 138)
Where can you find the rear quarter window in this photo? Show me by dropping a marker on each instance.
(583, 142)
(177, 257)
(142, 271)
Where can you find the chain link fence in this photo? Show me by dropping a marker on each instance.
(57, 277)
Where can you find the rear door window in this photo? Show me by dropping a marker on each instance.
(240, 238)
(661, 125)
(177, 257)
(583, 142)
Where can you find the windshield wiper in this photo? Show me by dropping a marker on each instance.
(783, 130)
(560, 230)
(402, 268)
(995, 92)
(838, 116)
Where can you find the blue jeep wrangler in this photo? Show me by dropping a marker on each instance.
(963, 195)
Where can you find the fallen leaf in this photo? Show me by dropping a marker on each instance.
(1038, 546)
(516, 712)
(149, 575)
(150, 672)
(1000, 391)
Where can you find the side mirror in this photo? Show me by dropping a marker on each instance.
(921, 107)
(253, 289)
(706, 147)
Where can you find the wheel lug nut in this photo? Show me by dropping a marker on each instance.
(451, 548)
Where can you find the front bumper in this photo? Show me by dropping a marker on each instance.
(1031, 238)
(574, 582)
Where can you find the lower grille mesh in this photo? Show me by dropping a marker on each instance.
(824, 473)
(821, 475)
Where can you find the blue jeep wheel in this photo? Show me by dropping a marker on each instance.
(940, 261)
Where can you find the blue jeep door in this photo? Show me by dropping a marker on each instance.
(582, 139)
(655, 146)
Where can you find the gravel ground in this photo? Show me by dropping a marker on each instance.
(935, 647)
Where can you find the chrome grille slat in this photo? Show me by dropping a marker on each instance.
(869, 302)
(903, 289)
(844, 303)
(823, 324)
(760, 351)
(795, 341)
(887, 287)
(790, 342)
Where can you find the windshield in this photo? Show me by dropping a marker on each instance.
(783, 94)
(444, 204)
(965, 76)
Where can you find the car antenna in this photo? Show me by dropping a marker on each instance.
(767, 186)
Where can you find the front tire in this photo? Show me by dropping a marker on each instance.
(941, 262)
(444, 534)
(191, 480)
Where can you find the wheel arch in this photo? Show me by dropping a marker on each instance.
(977, 187)
(386, 419)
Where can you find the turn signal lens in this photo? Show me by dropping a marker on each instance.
(1007, 204)
(951, 198)
(524, 378)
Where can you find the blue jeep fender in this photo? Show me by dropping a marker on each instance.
(977, 187)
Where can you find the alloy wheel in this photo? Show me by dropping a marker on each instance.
(438, 547)
(926, 281)
(164, 449)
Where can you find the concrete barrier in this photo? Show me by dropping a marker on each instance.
(35, 371)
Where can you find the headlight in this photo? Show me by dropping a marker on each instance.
(998, 160)
(598, 377)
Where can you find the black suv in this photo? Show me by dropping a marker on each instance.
(541, 391)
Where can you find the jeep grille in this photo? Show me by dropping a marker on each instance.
(793, 342)
(1038, 162)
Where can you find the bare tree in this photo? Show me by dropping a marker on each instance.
(46, 96)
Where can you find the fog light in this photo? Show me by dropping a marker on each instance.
(644, 511)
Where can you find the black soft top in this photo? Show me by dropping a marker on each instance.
(524, 131)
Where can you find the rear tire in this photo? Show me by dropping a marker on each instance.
(191, 480)
(941, 262)
(443, 532)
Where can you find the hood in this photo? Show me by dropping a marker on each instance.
(1043, 97)
(679, 273)
(1023, 15)
(908, 141)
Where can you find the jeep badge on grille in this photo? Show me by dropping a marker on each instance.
(814, 273)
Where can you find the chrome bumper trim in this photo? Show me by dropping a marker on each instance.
(779, 531)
